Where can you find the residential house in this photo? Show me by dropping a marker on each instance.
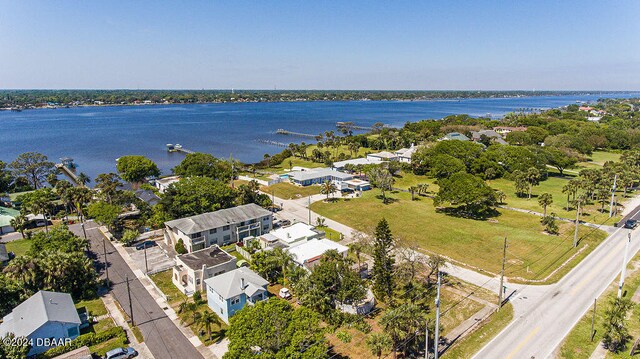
(192, 269)
(476, 136)
(147, 196)
(221, 227)
(454, 136)
(405, 154)
(162, 184)
(290, 235)
(318, 176)
(383, 156)
(229, 292)
(45, 318)
(504, 130)
(307, 254)
(6, 215)
(363, 161)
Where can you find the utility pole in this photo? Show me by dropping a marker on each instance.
(624, 266)
(613, 195)
(84, 231)
(437, 329)
(309, 207)
(426, 338)
(593, 319)
(504, 259)
(130, 304)
(146, 264)
(575, 234)
(106, 263)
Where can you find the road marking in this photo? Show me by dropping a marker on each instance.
(524, 342)
(595, 270)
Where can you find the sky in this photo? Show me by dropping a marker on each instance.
(384, 45)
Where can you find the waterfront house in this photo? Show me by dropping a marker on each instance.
(307, 254)
(147, 196)
(504, 130)
(192, 269)
(231, 291)
(476, 136)
(454, 136)
(162, 184)
(45, 318)
(383, 156)
(363, 161)
(405, 154)
(221, 227)
(318, 176)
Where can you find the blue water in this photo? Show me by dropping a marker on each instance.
(96, 136)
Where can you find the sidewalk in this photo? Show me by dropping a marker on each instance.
(160, 299)
(118, 318)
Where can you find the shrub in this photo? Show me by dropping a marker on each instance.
(344, 336)
(85, 340)
(197, 297)
(129, 237)
(179, 247)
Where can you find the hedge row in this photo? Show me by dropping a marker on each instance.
(88, 339)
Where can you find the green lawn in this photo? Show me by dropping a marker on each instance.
(553, 185)
(331, 234)
(404, 180)
(163, 281)
(474, 242)
(19, 247)
(578, 343)
(102, 348)
(287, 190)
(95, 307)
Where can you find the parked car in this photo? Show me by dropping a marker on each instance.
(145, 244)
(285, 222)
(284, 293)
(121, 353)
(631, 224)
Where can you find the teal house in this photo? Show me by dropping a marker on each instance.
(229, 292)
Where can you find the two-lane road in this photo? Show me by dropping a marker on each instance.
(539, 331)
(163, 338)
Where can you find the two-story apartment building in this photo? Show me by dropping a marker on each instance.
(221, 227)
(229, 292)
(192, 269)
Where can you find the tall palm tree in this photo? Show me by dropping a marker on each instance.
(83, 179)
(206, 320)
(284, 260)
(328, 187)
(62, 190)
(378, 343)
(42, 204)
(19, 223)
(545, 200)
(413, 190)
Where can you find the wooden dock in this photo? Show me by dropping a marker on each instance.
(69, 173)
(178, 148)
(281, 131)
(184, 150)
(273, 143)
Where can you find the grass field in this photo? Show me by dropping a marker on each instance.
(532, 254)
(287, 190)
(553, 185)
(331, 234)
(578, 343)
(404, 180)
(95, 307)
(19, 247)
(163, 281)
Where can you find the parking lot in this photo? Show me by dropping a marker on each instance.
(157, 259)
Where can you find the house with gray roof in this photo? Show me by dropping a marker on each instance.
(229, 292)
(192, 269)
(454, 136)
(44, 318)
(476, 136)
(221, 227)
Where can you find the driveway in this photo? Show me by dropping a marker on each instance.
(157, 260)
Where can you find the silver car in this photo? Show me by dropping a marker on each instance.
(121, 353)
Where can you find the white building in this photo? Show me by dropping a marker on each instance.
(290, 235)
(318, 176)
(221, 227)
(192, 269)
(163, 183)
(307, 254)
(405, 154)
(44, 318)
(357, 161)
(383, 156)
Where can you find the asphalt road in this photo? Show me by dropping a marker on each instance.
(539, 331)
(163, 338)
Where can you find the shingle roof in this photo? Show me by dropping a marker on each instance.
(228, 285)
(39, 309)
(148, 196)
(210, 257)
(223, 217)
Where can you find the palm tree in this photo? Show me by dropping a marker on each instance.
(83, 179)
(378, 343)
(422, 188)
(62, 190)
(19, 223)
(545, 199)
(501, 196)
(41, 204)
(328, 187)
(206, 320)
(284, 260)
(413, 190)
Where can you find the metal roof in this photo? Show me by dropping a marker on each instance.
(217, 219)
(229, 284)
